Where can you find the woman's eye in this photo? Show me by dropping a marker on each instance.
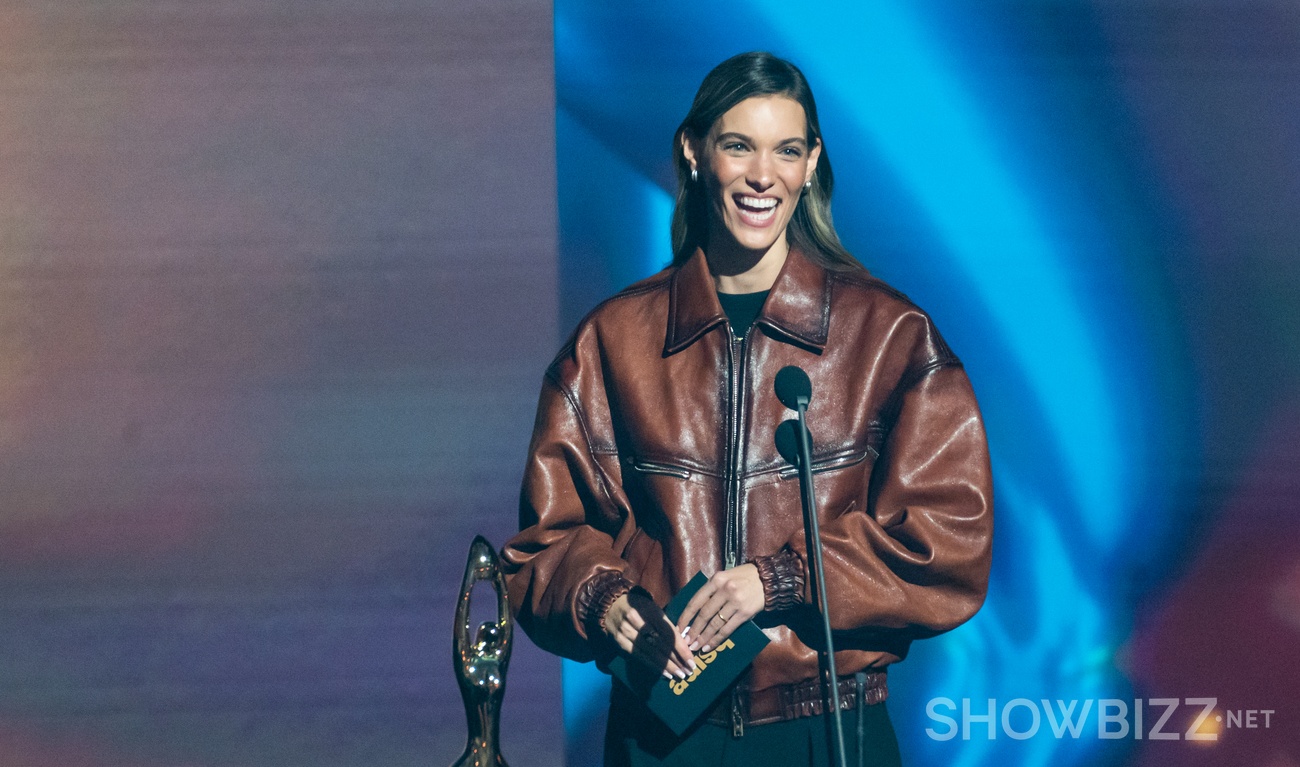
(734, 146)
(791, 151)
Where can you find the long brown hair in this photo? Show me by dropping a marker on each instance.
(746, 75)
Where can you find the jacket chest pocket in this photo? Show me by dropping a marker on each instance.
(661, 468)
(841, 460)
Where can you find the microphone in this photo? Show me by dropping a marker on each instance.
(793, 387)
(787, 440)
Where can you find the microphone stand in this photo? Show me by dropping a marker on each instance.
(814, 537)
(813, 533)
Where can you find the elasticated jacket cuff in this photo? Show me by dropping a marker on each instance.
(595, 598)
(783, 579)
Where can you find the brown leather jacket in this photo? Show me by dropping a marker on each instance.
(653, 458)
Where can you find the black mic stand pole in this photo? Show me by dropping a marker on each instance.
(794, 389)
(812, 532)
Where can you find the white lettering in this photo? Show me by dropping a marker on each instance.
(1268, 716)
(967, 718)
(1104, 718)
(1207, 708)
(1067, 717)
(930, 710)
(1157, 733)
(1006, 719)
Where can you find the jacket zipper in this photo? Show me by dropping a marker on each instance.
(736, 348)
(731, 545)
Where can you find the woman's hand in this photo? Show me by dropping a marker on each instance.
(640, 629)
(730, 598)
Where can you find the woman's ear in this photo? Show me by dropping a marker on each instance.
(814, 155)
(689, 150)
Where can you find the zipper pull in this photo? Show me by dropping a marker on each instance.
(737, 721)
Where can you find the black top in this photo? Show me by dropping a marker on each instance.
(742, 309)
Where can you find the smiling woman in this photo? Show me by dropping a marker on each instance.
(653, 454)
(779, 105)
(757, 161)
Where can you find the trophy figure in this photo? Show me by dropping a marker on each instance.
(481, 665)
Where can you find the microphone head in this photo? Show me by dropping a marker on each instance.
(793, 387)
(787, 440)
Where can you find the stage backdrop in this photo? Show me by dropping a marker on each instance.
(277, 287)
(1096, 202)
(279, 278)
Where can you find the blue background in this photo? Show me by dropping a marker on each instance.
(1095, 202)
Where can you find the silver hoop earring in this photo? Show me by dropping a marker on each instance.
(695, 175)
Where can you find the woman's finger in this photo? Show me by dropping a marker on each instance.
(656, 646)
(628, 631)
(708, 635)
(693, 606)
(669, 643)
(681, 652)
(703, 622)
(725, 631)
(667, 666)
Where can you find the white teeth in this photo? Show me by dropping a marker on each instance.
(757, 202)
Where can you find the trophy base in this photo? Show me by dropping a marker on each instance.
(480, 754)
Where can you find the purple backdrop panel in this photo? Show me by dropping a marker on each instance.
(276, 292)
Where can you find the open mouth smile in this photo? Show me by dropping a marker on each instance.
(756, 211)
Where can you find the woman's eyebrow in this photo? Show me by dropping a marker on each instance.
(733, 136)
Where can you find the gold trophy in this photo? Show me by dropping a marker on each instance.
(481, 665)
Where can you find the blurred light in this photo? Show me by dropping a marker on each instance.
(915, 112)
(1211, 727)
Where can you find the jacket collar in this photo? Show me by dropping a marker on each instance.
(798, 308)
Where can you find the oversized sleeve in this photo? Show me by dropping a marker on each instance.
(563, 569)
(914, 561)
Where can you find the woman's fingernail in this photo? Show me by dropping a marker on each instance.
(667, 675)
(695, 646)
(706, 648)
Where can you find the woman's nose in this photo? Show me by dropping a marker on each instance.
(762, 172)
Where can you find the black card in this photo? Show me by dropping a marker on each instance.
(680, 702)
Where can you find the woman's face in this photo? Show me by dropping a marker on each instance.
(753, 165)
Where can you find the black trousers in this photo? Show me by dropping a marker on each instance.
(635, 738)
